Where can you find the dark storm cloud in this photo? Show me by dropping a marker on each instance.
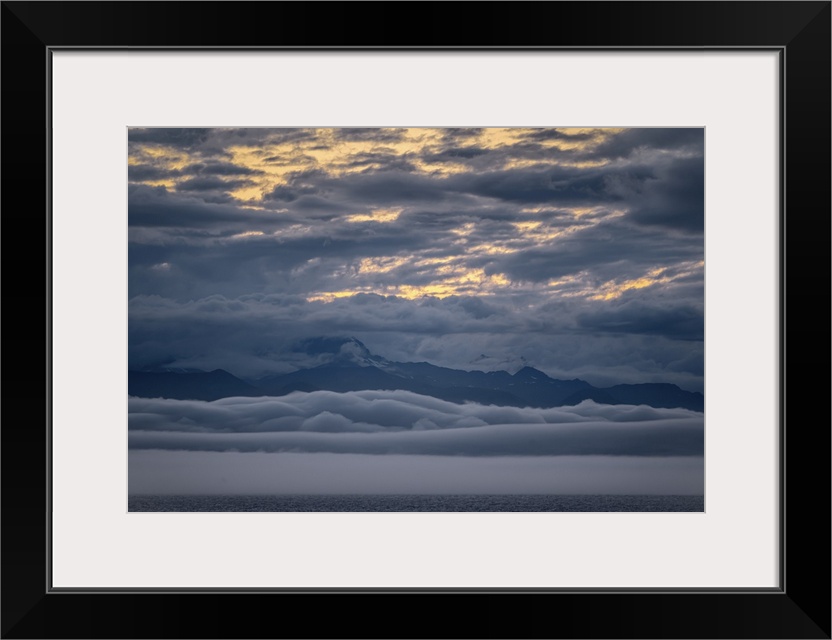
(665, 139)
(219, 169)
(214, 142)
(670, 195)
(252, 336)
(158, 207)
(142, 172)
(558, 134)
(682, 322)
(675, 200)
(459, 133)
(455, 154)
(320, 251)
(669, 192)
(474, 307)
(391, 188)
(286, 193)
(219, 139)
(611, 249)
(561, 186)
(173, 136)
(278, 136)
(315, 205)
(369, 134)
(382, 162)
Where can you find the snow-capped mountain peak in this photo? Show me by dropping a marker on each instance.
(511, 364)
(340, 350)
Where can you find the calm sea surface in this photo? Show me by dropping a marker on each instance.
(418, 503)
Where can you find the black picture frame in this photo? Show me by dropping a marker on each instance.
(799, 608)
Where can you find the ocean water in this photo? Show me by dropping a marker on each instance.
(416, 503)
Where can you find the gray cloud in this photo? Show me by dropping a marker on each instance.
(610, 249)
(219, 169)
(684, 322)
(177, 137)
(209, 183)
(688, 140)
(157, 207)
(255, 335)
(369, 134)
(140, 172)
(676, 200)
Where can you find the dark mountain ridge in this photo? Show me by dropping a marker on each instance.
(202, 385)
(352, 367)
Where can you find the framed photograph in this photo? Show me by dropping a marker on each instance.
(469, 317)
(391, 319)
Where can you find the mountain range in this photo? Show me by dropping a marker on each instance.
(349, 366)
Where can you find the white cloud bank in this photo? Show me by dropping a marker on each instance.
(401, 422)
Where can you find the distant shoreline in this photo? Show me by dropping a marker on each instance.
(487, 503)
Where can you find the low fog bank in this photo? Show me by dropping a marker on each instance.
(366, 411)
(659, 438)
(401, 422)
(229, 473)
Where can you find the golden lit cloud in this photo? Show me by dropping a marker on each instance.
(166, 183)
(247, 234)
(449, 280)
(380, 265)
(275, 161)
(165, 157)
(524, 163)
(376, 215)
(491, 249)
(330, 296)
(611, 290)
(496, 137)
(527, 226)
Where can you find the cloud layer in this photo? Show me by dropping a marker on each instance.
(400, 422)
(581, 250)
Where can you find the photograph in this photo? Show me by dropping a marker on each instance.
(416, 319)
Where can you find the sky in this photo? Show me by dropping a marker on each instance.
(579, 252)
